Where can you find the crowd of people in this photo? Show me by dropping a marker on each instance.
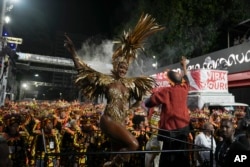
(32, 129)
(74, 134)
(71, 130)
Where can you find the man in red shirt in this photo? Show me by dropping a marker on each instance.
(174, 118)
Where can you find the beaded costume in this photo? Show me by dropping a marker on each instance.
(16, 141)
(73, 141)
(47, 142)
(93, 83)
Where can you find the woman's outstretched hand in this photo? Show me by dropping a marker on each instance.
(68, 44)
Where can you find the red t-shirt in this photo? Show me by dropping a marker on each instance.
(174, 111)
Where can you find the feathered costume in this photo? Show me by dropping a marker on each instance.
(94, 84)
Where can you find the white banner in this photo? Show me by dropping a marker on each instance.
(208, 80)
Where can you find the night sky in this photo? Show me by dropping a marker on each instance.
(88, 17)
(38, 21)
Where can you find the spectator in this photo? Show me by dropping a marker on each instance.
(4, 156)
(174, 118)
(229, 144)
(205, 139)
(240, 131)
(153, 144)
(73, 141)
(45, 141)
(16, 141)
(140, 130)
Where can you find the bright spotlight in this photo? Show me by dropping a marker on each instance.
(7, 19)
(25, 86)
(154, 65)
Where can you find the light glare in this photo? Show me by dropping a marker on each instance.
(7, 19)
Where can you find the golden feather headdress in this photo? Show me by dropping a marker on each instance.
(12, 118)
(133, 40)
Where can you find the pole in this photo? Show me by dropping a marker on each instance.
(3, 10)
(2, 58)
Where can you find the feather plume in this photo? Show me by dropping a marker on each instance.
(133, 40)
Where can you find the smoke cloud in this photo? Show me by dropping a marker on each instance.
(98, 55)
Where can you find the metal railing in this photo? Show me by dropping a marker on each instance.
(100, 156)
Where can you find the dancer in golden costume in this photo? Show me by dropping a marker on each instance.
(16, 141)
(116, 88)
